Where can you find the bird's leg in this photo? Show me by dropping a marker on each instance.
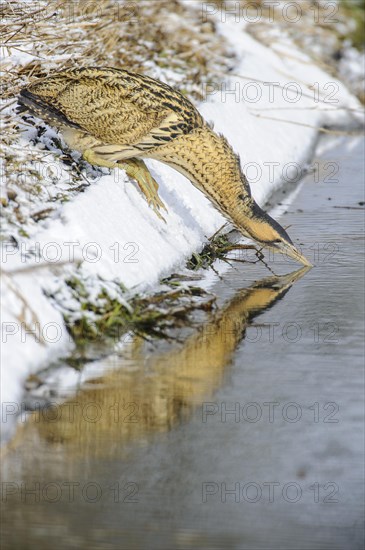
(97, 160)
(137, 169)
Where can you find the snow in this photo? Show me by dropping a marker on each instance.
(111, 229)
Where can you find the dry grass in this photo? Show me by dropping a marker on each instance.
(139, 36)
(322, 30)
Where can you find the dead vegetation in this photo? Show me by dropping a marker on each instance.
(139, 36)
(104, 318)
(322, 30)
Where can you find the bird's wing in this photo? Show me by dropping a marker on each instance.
(116, 106)
(170, 127)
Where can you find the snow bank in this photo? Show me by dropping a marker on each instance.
(118, 237)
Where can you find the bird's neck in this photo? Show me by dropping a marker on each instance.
(210, 163)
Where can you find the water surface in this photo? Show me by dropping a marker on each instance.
(247, 435)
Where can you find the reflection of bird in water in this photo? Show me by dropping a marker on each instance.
(114, 117)
(144, 395)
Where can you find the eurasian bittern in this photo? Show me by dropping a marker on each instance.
(116, 118)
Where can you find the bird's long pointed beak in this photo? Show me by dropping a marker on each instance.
(290, 251)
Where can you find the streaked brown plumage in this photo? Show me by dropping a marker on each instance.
(113, 116)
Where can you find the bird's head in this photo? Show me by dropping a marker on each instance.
(269, 233)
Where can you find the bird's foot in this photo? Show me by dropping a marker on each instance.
(137, 169)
